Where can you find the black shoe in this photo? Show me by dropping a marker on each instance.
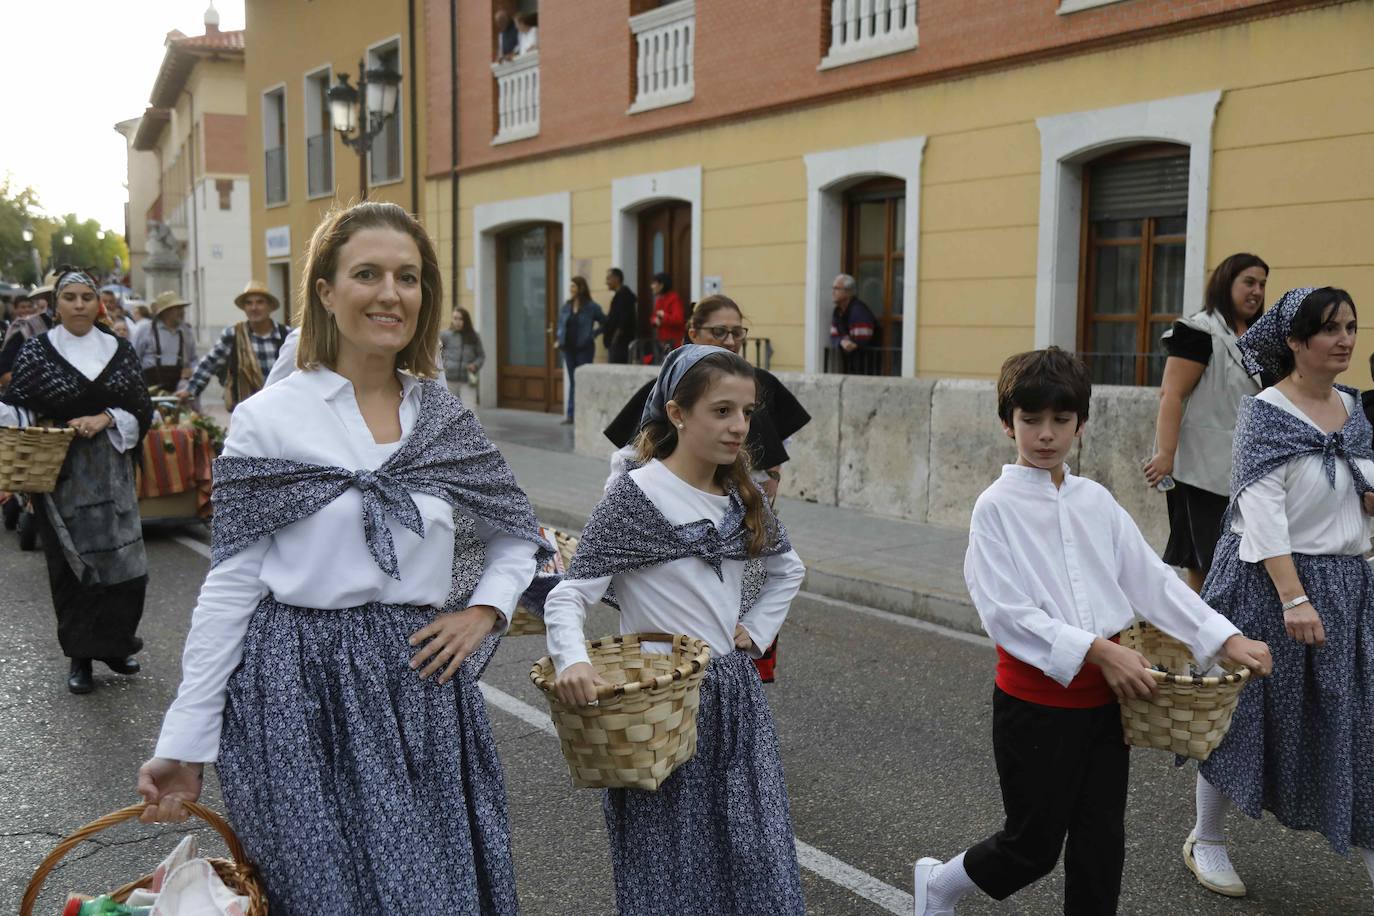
(127, 665)
(79, 680)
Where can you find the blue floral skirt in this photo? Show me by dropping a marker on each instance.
(717, 835)
(355, 786)
(1301, 743)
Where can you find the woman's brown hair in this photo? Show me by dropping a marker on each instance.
(658, 439)
(319, 344)
(584, 292)
(1218, 294)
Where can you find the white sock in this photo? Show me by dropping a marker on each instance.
(948, 883)
(1212, 806)
(1368, 855)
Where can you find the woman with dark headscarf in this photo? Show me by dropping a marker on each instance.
(669, 318)
(82, 376)
(1290, 570)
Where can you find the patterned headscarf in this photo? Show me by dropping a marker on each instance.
(1262, 346)
(674, 368)
(74, 276)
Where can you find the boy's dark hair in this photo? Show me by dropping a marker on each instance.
(1050, 379)
(1320, 306)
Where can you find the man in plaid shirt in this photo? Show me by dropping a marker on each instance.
(245, 352)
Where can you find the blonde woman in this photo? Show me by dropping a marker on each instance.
(369, 544)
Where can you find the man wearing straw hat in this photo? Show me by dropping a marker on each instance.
(245, 352)
(167, 347)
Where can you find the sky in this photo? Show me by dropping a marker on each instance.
(74, 69)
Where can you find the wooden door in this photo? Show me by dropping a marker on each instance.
(529, 279)
(665, 246)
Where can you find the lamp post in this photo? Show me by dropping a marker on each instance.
(363, 109)
(33, 251)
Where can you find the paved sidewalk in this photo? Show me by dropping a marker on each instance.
(904, 567)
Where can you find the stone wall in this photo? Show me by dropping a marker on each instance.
(918, 449)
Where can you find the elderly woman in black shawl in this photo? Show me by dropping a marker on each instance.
(1290, 570)
(80, 375)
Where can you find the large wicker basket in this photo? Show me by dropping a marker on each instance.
(644, 725)
(31, 457)
(522, 622)
(1190, 714)
(238, 874)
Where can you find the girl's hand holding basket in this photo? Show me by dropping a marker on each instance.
(165, 785)
(1250, 653)
(577, 685)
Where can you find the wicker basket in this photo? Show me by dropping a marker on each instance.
(644, 725)
(522, 622)
(1190, 715)
(238, 875)
(31, 457)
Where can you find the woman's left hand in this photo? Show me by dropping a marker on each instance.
(86, 427)
(742, 638)
(1368, 500)
(451, 638)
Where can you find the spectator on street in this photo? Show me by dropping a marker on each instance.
(463, 356)
(622, 322)
(245, 352)
(580, 320)
(38, 321)
(669, 319)
(167, 347)
(507, 35)
(142, 316)
(528, 26)
(1204, 383)
(853, 330)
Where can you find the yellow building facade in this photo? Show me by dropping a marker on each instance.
(300, 167)
(1273, 118)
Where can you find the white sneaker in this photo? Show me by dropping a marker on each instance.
(1215, 872)
(924, 872)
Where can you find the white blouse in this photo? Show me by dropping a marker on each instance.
(1293, 508)
(321, 561)
(1051, 569)
(682, 596)
(89, 354)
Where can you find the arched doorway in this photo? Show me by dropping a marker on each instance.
(875, 256)
(665, 246)
(529, 287)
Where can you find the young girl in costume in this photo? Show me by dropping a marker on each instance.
(672, 535)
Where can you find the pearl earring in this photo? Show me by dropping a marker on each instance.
(680, 426)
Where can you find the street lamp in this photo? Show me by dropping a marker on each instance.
(379, 92)
(66, 238)
(100, 235)
(33, 250)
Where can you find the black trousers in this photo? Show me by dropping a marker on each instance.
(1063, 774)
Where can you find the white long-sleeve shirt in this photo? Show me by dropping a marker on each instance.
(88, 354)
(1293, 509)
(1052, 568)
(286, 358)
(321, 561)
(681, 596)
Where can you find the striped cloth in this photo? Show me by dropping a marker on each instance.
(177, 459)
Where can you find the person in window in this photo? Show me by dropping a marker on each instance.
(369, 546)
(669, 318)
(82, 376)
(621, 322)
(528, 26)
(1290, 570)
(246, 351)
(853, 329)
(1204, 382)
(507, 35)
(580, 320)
(167, 347)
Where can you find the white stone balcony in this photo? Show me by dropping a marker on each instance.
(517, 98)
(664, 69)
(865, 29)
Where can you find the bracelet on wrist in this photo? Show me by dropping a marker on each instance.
(1295, 602)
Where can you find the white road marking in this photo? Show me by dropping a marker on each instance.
(812, 859)
(902, 620)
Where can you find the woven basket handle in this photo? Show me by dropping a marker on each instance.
(79, 836)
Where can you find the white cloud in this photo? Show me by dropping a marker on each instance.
(74, 69)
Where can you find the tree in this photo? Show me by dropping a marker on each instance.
(20, 210)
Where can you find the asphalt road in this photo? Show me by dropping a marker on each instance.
(885, 739)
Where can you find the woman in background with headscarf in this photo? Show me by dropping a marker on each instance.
(1290, 570)
(83, 376)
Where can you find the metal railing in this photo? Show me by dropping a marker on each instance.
(517, 97)
(274, 167)
(1133, 369)
(762, 352)
(319, 165)
(864, 361)
(664, 42)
